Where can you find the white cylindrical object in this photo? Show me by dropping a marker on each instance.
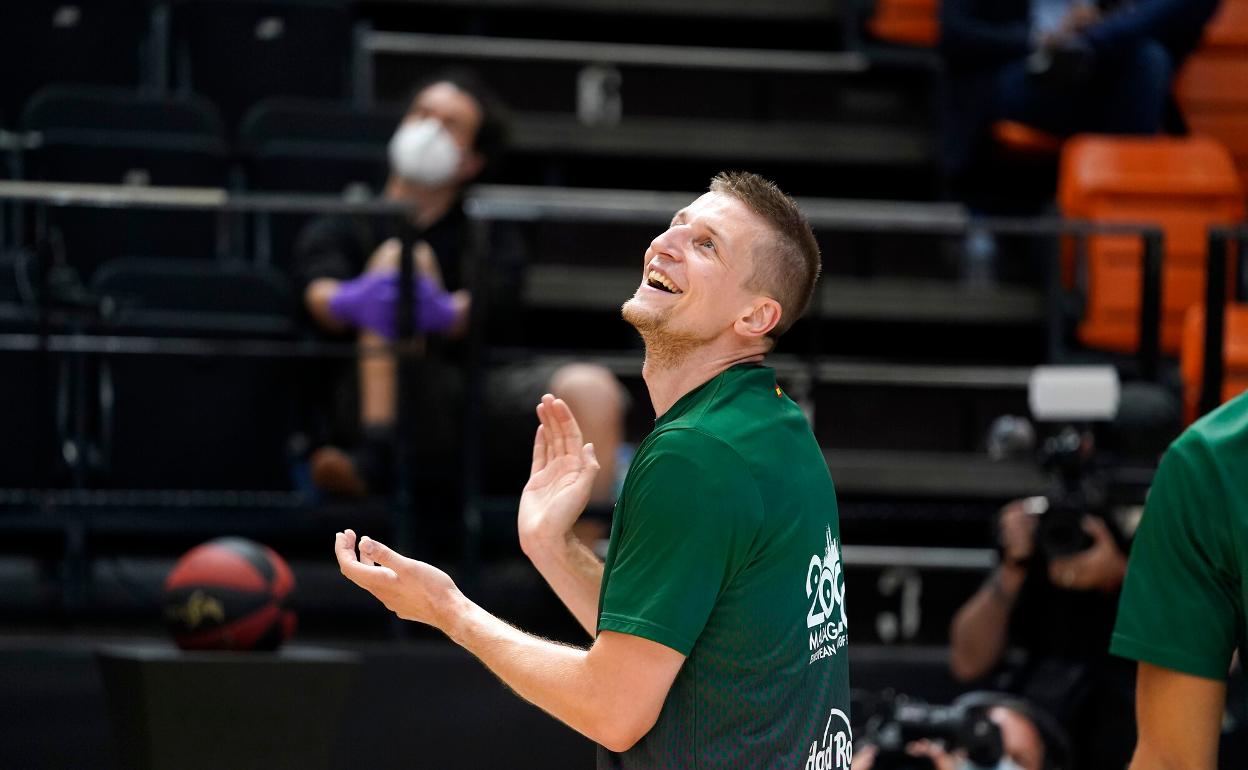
(1080, 393)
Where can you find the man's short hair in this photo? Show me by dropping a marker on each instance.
(787, 272)
(493, 133)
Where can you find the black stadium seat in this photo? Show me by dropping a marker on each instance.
(239, 51)
(115, 136)
(195, 421)
(297, 145)
(79, 41)
(316, 146)
(26, 398)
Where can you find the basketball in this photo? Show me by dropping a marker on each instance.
(230, 594)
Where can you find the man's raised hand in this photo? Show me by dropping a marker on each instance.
(560, 480)
(411, 589)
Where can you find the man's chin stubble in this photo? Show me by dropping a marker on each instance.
(664, 349)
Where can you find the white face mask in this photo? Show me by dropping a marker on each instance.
(422, 151)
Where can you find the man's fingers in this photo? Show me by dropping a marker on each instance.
(559, 431)
(363, 574)
(591, 459)
(567, 422)
(344, 546)
(555, 437)
(1097, 529)
(370, 578)
(539, 451)
(350, 539)
(379, 553)
(551, 434)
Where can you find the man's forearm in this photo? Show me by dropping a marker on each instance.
(316, 298)
(556, 678)
(977, 635)
(1144, 760)
(574, 573)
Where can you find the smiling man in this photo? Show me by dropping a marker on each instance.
(718, 618)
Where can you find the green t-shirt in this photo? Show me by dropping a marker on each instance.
(726, 548)
(1183, 600)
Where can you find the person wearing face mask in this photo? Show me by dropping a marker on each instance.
(453, 132)
(1030, 740)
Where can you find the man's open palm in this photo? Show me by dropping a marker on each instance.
(561, 477)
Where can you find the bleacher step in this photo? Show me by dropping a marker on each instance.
(579, 287)
(873, 472)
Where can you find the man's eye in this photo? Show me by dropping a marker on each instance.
(708, 245)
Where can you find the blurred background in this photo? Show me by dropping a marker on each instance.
(274, 268)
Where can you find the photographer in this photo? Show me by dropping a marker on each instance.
(1023, 738)
(1058, 607)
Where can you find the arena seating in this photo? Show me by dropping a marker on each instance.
(1192, 356)
(117, 136)
(176, 418)
(238, 51)
(26, 381)
(311, 146)
(234, 415)
(84, 41)
(622, 111)
(917, 23)
(1210, 88)
(902, 368)
(906, 22)
(1185, 185)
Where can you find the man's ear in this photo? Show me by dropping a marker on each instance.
(759, 319)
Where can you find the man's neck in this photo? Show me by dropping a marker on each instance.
(428, 203)
(668, 382)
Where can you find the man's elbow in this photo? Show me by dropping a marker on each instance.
(1146, 757)
(621, 732)
(964, 668)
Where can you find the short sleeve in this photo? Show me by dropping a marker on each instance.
(329, 247)
(690, 512)
(1181, 607)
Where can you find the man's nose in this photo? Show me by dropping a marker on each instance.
(668, 242)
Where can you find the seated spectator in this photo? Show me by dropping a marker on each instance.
(1059, 610)
(453, 131)
(1062, 66)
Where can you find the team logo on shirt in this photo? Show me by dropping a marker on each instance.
(836, 749)
(825, 589)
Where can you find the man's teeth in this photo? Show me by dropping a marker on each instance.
(655, 277)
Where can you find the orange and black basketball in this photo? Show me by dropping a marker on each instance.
(230, 594)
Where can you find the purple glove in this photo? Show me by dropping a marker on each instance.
(371, 301)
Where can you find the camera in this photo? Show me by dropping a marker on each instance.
(1068, 401)
(1078, 487)
(899, 721)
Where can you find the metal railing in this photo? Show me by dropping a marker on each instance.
(632, 54)
(1213, 371)
(491, 203)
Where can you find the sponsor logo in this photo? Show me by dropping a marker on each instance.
(836, 749)
(826, 621)
(197, 608)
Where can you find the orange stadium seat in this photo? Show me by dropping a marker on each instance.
(1192, 358)
(1184, 185)
(917, 23)
(1212, 87)
(1228, 29)
(906, 22)
(1022, 139)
